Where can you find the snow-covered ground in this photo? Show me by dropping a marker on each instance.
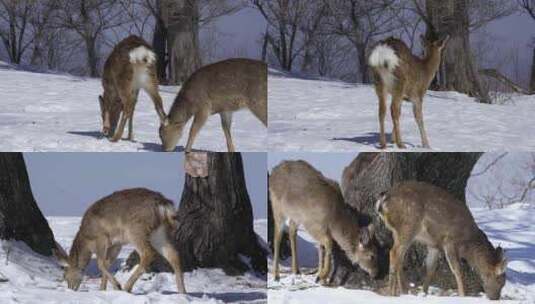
(513, 228)
(50, 112)
(37, 279)
(324, 115)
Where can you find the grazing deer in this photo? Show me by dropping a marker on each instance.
(420, 212)
(130, 67)
(301, 195)
(140, 217)
(220, 88)
(406, 77)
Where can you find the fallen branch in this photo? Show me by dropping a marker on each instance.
(493, 73)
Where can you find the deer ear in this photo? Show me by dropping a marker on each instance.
(365, 236)
(444, 41)
(502, 261)
(101, 102)
(61, 255)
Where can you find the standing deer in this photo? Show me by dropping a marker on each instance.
(220, 88)
(420, 212)
(140, 217)
(301, 195)
(406, 77)
(130, 67)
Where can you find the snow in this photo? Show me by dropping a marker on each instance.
(37, 279)
(43, 111)
(325, 115)
(512, 228)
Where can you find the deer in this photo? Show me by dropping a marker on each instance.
(406, 77)
(130, 67)
(219, 88)
(301, 195)
(138, 216)
(424, 213)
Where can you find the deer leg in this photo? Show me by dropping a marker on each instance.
(321, 257)
(146, 255)
(419, 117)
(111, 256)
(226, 122)
(431, 263)
(326, 269)
(127, 100)
(394, 262)
(395, 109)
(277, 237)
(102, 263)
(157, 100)
(382, 115)
(169, 252)
(455, 266)
(399, 273)
(292, 232)
(131, 118)
(198, 122)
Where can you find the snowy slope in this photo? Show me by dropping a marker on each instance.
(323, 115)
(36, 279)
(49, 112)
(513, 228)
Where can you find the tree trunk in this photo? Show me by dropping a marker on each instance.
(216, 221)
(458, 66)
(532, 81)
(364, 69)
(20, 218)
(92, 57)
(182, 22)
(159, 42)
(372, 173)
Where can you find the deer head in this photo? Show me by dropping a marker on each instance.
(493, 276)
(110, 112)
(365, 253)
(71, 274)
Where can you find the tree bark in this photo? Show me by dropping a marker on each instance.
(92, 56)
(159, 43)
(372, 173)
(532, 81)
(20, 218)
(181, 19)
(216, 221)
(458, 66)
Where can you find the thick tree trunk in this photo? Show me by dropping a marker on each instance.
(532, 81)
(159, 43)
(92, 56)
(458, 66)
(181, 19)
(216, 220)
(20, 218)
(372, 173)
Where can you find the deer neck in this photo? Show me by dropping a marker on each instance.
(181, 111)
(431, 65)
(478, 253)
(79, 255)
(344, 229)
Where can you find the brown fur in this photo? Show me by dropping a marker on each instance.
(413, 76)
(220, 88)
(140, 217)
(121, 88)
(303, 196)
(416, 211)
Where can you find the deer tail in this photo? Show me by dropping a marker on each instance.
(142, 55)
(383, 56)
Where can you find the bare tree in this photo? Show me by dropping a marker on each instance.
(14, 27)
(89, 19)
(529, 7)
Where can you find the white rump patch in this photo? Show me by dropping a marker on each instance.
(383, 56)
(158, 239)
(142, 54)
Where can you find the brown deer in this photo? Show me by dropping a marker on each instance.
(406, 77)
(301, 195)
(140, 217)
(130, 67)
(220, 88)
(420, 212)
